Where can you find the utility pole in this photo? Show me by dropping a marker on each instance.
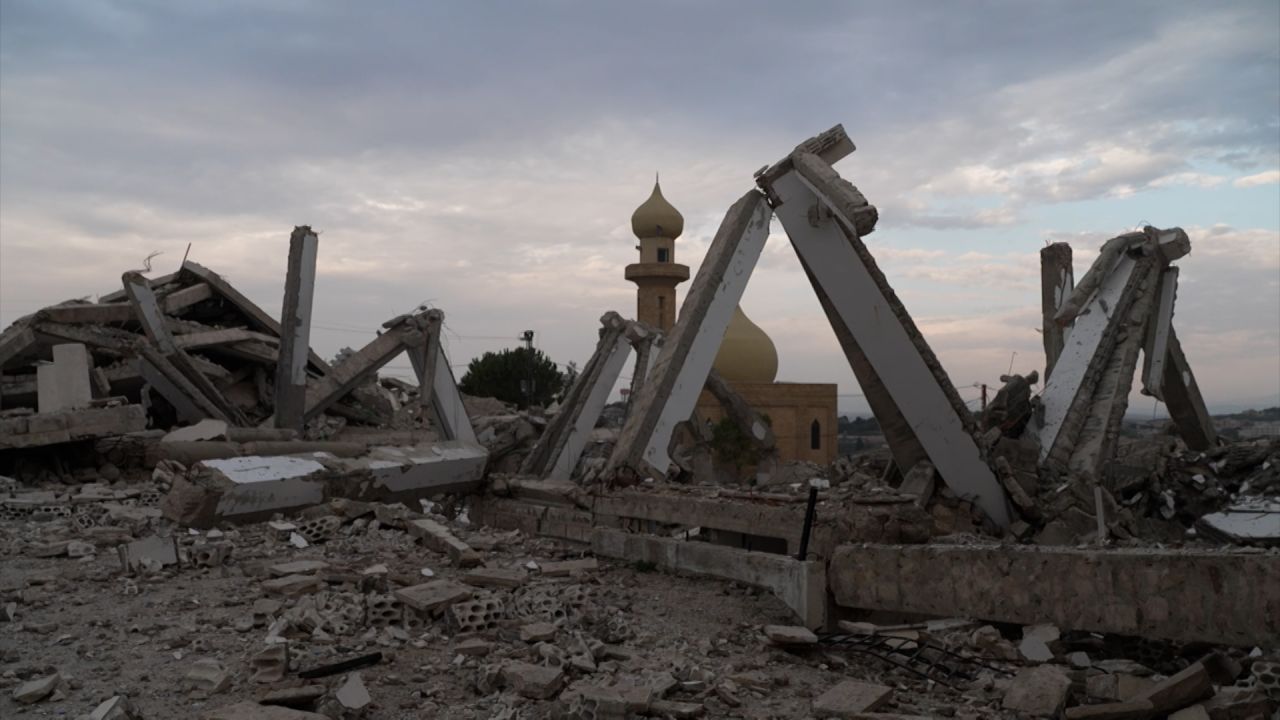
(984, 397)
(527, 337)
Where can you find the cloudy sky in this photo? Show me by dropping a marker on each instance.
(486, 157)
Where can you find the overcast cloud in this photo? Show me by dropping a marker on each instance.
(486, 157)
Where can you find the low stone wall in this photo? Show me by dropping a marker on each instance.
(1183, 595)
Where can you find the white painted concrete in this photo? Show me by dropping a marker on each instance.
(580, 432)
(692, 375)
(1156, 352)
(867, 314)
(256, 469)
(1079, 347)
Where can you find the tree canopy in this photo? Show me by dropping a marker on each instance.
(505, 375)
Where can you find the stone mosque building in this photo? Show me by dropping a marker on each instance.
(803, 415)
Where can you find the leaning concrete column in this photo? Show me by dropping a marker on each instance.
(295, 329)
(1057, 280)
(671, 391)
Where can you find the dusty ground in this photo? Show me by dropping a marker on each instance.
(83, 619)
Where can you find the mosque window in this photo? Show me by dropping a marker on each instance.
(663, 256)
(815, 435)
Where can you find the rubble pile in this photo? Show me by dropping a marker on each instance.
(354, 609)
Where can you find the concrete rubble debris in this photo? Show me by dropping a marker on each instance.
(850, 699)
(309, 539)
(1039, 691)
(33, 691)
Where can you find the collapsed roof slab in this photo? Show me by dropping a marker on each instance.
(1182, 398)
(252, 488)
(679, 372)
(820, 212)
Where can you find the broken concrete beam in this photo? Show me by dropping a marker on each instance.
(925, 417)
(438, 537)
(53, 428)
(832, 146)
(187, 400)
(64, 384)
(800, 585)
(447, 411)
(569, 433)
(1181, 595)
(254, 314)
(736, 408)
(679, 373)
(147, 311)
(1118, 278)
(119, 313)
(1155, 347)
(1057, 281)
(1182, 398)
(295, 334)
(403, 332)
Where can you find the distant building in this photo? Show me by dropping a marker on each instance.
(1260, 430)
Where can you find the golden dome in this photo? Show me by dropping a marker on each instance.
(656, 218)
(747, 355)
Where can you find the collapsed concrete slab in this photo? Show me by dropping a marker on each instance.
(1057, 281)
(247, 489)
(1224, 597)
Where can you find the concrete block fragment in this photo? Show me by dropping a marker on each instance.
(1128, 710)
(569, 567)
(148, 554)
(533, 681)
(116, 708)
(292, 585)
(790, 635)
(207, 676)
(297, 567)
(433, 595)
(1236, 703)
(353, 695)
(678, 710)
(1116, 686)
(271, 664)
(1189, 685)
(538, 632)
(850, 699)
(33, 691)
(496, 577)
(1039, 692)
(1194, 712)
(474, 647)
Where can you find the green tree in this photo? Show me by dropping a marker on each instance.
(506, 375)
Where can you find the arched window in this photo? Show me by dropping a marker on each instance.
(815, 435)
